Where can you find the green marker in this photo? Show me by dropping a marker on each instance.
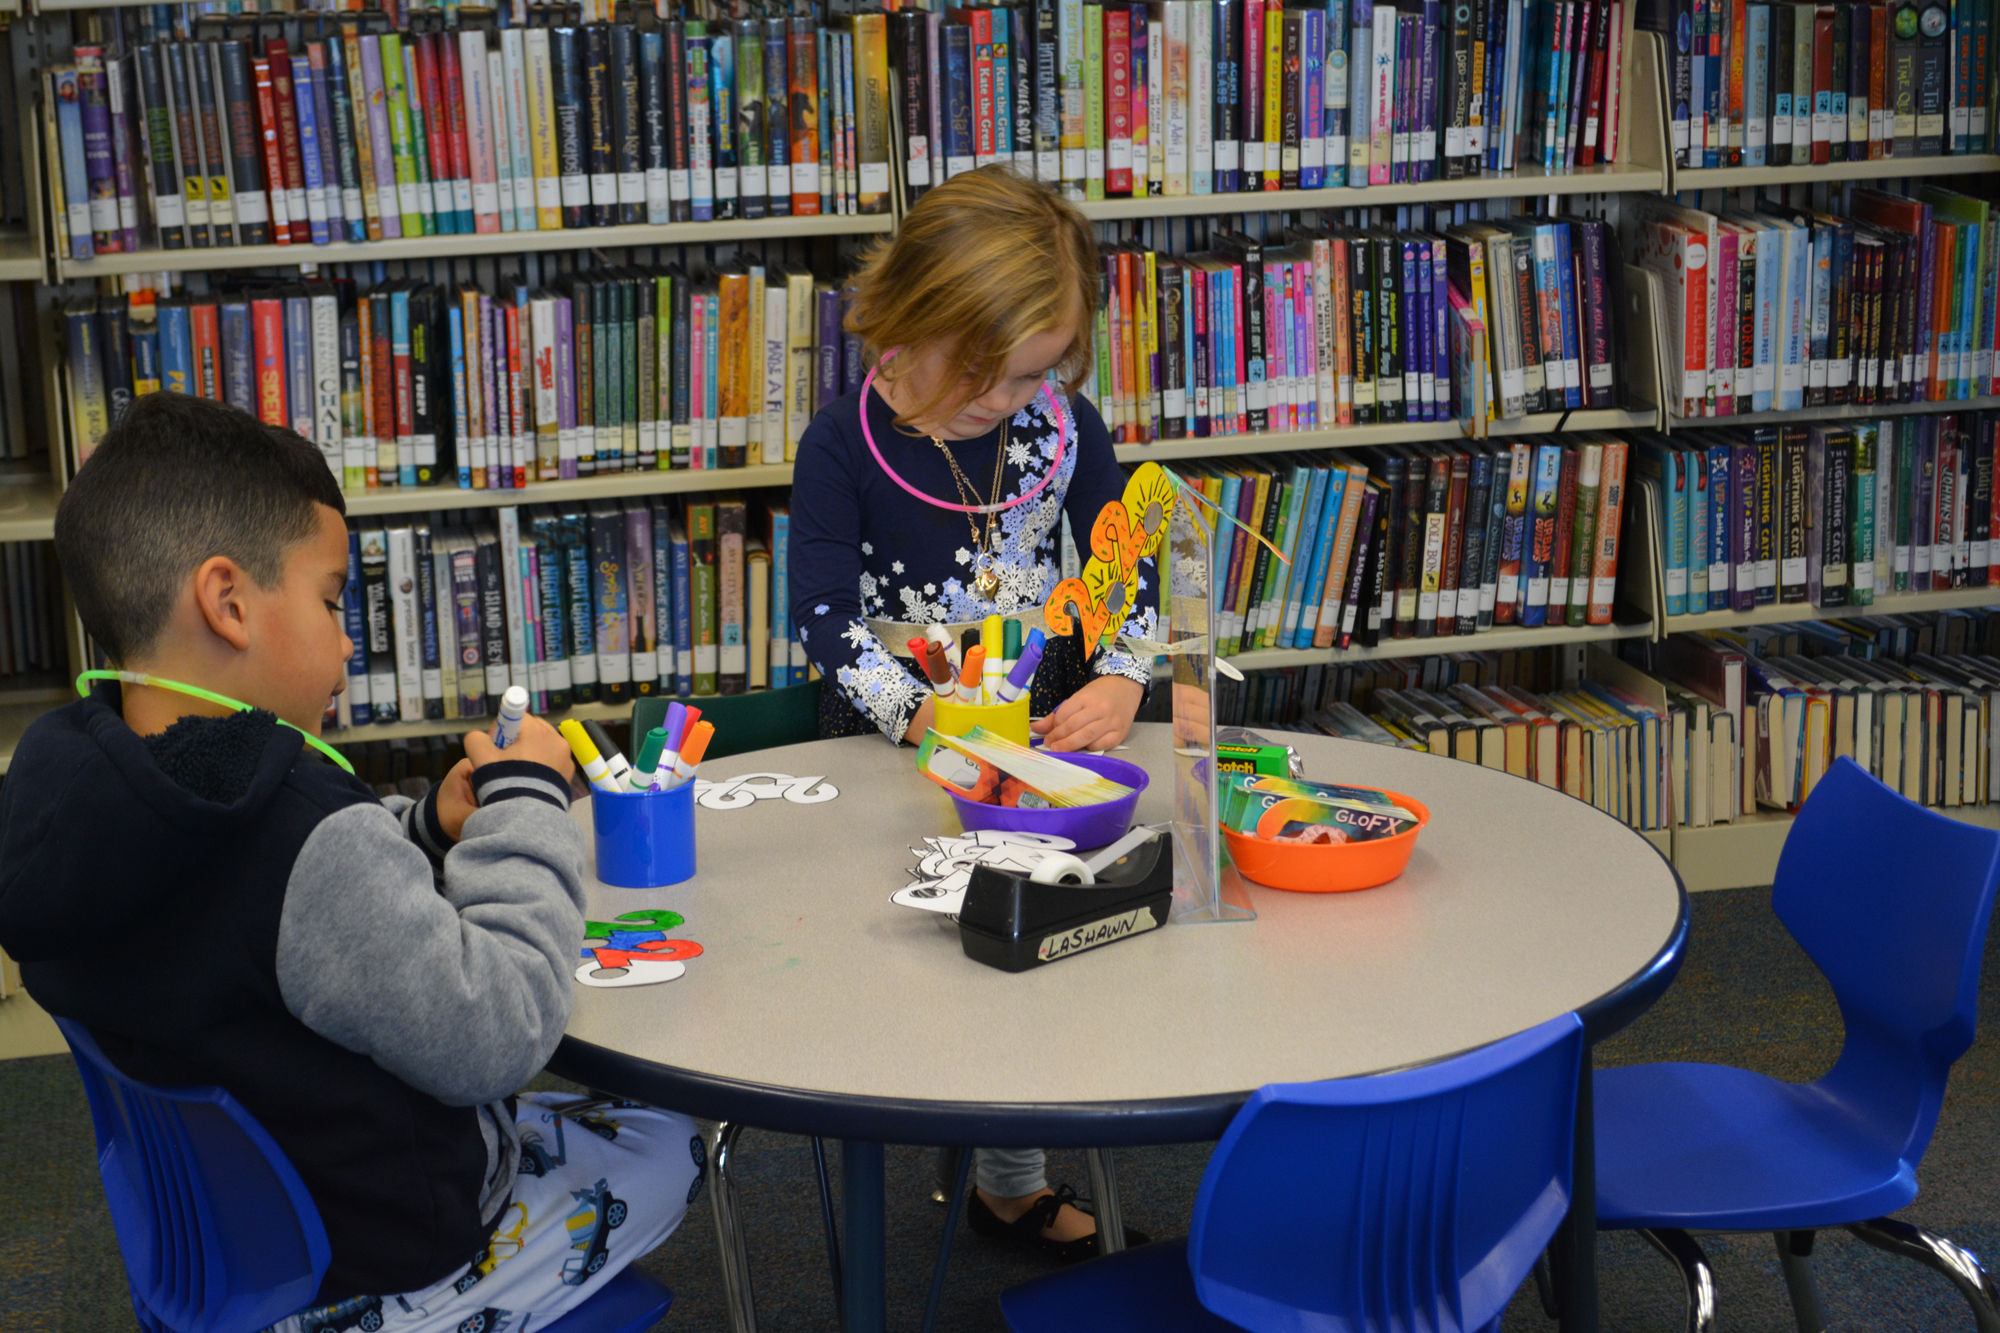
(646, 771)
(1010, 645)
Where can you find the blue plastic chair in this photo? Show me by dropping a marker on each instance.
(1413, 1200)
(218, 1232)
(1891, 902)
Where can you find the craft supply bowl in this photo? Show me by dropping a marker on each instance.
(1328, 867)
(1007, 720)
(645, 840)
(1085, 825)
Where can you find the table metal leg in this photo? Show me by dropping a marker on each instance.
(1104, 1200)
(864, 1249)
(1574, 1253)
(738, 1295)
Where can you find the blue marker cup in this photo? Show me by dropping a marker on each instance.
(645, 840)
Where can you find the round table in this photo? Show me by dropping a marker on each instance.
(820, 1007)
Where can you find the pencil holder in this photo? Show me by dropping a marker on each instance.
(1008, 720)
(645, 840)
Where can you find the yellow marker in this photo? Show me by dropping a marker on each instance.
(587, 756)
(992, 637)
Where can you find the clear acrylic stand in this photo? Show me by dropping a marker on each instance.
(1199, 877)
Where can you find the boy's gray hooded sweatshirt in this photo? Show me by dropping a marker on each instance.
(220, 907)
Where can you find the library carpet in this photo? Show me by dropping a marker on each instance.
(1747, 996)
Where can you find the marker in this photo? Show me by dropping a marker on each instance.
(993, 639)
(689, 758)
(1010, 645)
(646, 772)
(941, 636)
(676, 727)
(1038, 644)
(969, 677)
(936, 666)
(513, 707)
(587, 757)
(966, 643)
(1023, 671)
(614, 758)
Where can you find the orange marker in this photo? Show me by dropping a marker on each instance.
(692, 749)
(968, 677)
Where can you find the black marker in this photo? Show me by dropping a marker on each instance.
(614, 758)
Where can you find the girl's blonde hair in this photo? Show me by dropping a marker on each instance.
(984, 262)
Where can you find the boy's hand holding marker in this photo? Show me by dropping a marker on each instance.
(534, 741)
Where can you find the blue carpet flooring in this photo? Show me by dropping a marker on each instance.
(1748, 996)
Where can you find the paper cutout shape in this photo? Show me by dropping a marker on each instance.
(747, 789)
(1127, 530)
(633, 950)
(944, 869)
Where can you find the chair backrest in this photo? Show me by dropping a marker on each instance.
(743, 722)
(1412, 1200)
(1891, 901)
(218, 1232)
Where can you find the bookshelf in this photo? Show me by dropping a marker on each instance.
(1833, 412)
(1745, 854)
(1729, 854)
(220, 258)
(1884, 168)
(1778, 614)
(1502, 638)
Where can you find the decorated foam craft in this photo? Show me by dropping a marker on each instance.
(1127, 530)
(633, 950)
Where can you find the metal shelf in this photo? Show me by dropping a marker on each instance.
(1403, 432)
(458, 726)
(1835, 412)
(465, 247)
(1745, 853)
(1501, 638)
(612, 485)
(28, 510)
(20, 260)
(1881, 168)
(1528, 181)
(1893, 604)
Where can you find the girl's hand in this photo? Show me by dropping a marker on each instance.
(1096, 717)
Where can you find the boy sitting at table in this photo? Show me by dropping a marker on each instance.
(372, 979)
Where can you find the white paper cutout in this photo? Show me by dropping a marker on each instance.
(642, 972)
(738, 792)
(944, 869)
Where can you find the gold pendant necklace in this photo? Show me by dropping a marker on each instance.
(985, 571)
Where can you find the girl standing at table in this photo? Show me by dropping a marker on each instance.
(934, 496)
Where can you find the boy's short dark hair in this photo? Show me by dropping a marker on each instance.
(180, 479)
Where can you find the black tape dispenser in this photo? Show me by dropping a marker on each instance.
(1015, 922)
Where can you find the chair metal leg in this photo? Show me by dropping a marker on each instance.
(1696, 1274)
(1104, 1198)
(962, 1169)
(947, 1171)
(1545, 1286)
(732, 1248)
(1956, 1262)
(827, 1222)
(1795, 1257)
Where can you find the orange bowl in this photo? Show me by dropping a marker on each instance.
(1328, 868)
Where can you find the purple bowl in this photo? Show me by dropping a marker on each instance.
(1085, 825)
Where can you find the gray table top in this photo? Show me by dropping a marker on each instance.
(817, 997)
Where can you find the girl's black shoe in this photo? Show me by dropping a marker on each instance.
(1026, 1230)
